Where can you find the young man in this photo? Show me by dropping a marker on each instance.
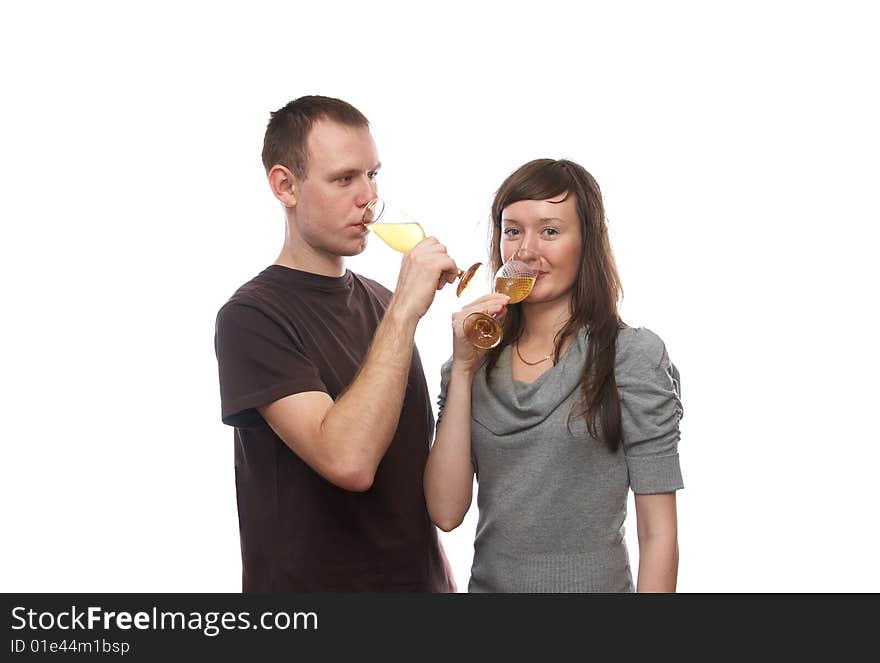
(321, 380)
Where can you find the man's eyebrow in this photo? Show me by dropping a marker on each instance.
(342, 172)
(345, 172)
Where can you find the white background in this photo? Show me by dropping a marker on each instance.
(737, 147)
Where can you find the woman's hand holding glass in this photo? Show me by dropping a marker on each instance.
(465, 355)
(515, 278)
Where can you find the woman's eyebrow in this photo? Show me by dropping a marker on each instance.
(544, 219)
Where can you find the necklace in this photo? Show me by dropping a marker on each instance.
(530, 363)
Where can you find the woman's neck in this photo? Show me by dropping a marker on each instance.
(543, 321)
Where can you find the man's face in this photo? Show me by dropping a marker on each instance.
(340, 181)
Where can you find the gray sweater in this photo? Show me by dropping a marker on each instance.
(552, 499)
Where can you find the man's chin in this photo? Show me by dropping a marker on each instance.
(353, 249)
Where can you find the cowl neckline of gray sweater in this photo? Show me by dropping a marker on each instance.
(505, 406)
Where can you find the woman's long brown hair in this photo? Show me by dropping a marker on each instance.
(596, 291)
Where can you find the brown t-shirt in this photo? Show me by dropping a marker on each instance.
(286, 332)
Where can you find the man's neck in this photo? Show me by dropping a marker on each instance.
(307, 259)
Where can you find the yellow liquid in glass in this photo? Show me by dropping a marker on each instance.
(515, 288)
(399, 236)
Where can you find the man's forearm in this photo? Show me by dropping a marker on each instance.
(362, 421)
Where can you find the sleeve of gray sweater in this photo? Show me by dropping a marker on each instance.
(650, 409)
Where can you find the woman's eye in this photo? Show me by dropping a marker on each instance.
(551, 231)
(510, 232)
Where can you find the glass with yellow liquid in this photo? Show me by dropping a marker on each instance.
(517, 288)
(403, 236)
(399, 236)
(515, 279)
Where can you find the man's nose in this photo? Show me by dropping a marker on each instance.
(366, 191)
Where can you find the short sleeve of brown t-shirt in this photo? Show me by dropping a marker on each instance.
(259, 362)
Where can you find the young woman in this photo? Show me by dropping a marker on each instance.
(571, 410)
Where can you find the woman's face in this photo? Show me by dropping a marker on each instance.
(550, 228)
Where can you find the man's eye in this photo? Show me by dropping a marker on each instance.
(345, 179)
(373, 175)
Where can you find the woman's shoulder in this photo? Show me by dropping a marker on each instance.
(639, 349)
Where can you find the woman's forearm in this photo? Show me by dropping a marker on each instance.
(658, 564)
(449, 474)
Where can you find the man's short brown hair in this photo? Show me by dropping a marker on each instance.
(288, 130)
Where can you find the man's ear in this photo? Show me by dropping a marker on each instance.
(283, 184)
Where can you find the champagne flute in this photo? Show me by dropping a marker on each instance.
(402, 236)
(515, 279)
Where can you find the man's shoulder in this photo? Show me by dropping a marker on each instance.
(274, 292)
(373, 287)
(255, 294)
